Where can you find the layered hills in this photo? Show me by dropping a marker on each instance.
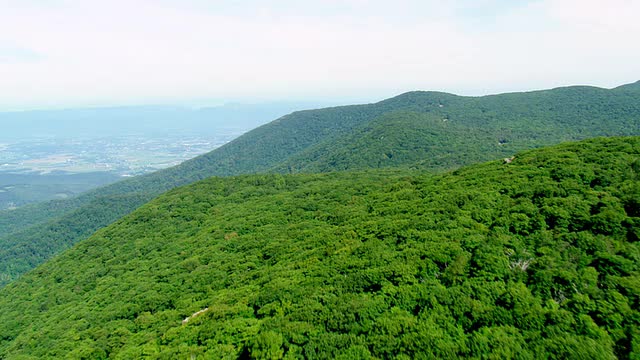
(535, 257)
(423, 130)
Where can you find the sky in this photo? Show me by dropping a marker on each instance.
(67, 53)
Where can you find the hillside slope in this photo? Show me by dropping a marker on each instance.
(30, 235)
(407, 130)
(629, 87)
(535, 258)
(466, 130)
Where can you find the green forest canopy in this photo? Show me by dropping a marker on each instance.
(536, 258)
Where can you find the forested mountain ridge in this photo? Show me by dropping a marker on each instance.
(534, 258)
(464, 130)
(630, 87)
(426, 130)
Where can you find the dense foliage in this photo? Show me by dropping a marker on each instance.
(537, 258)
(426, 130)
(46, 240)
(455, 131)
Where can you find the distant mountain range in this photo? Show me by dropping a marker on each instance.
(417, 130)
(148, 120)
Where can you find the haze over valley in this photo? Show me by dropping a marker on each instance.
(55, 154)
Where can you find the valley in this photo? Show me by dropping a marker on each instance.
(124, 156)
(44, 169)
(58, 154)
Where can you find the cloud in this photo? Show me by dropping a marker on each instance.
(615, 15)
(166, 50)
(14, 54)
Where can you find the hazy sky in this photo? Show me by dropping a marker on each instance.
(58, 53)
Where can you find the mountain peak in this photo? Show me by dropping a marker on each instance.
(421, 98)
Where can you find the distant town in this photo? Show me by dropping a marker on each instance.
(124, 156)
